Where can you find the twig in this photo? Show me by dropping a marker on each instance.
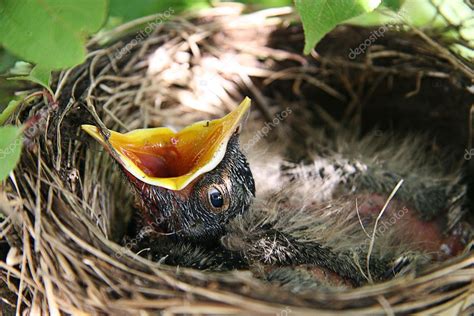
(445, 53)
(360, 220)
(372, 239)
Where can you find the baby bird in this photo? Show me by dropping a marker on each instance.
(323, 211)
(312, 221)
(189, 183)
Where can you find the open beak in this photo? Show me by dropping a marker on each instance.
(169, 159)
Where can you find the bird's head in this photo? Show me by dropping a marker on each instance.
(188, 183)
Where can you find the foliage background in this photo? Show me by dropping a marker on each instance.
(38, 37)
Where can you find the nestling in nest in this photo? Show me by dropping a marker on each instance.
(195, 193)
(216, 218)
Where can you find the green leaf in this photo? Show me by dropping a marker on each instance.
(7, 60)
(11, 142)
(40, 75)
(321, 16)
(267, 3)
(128, 10)
(12, 105)
(51, 33)
(395, 5)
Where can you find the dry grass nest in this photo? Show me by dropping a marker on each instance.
(63, 201)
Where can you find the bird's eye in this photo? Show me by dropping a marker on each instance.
(216, 198)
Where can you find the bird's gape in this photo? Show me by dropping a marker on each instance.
(201, 209)
(190, 182)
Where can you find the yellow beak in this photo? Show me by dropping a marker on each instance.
(172, 160)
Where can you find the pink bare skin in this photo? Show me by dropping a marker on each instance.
(426, 236)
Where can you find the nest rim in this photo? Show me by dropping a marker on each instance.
(72, 245)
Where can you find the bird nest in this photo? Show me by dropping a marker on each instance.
(67, 206)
